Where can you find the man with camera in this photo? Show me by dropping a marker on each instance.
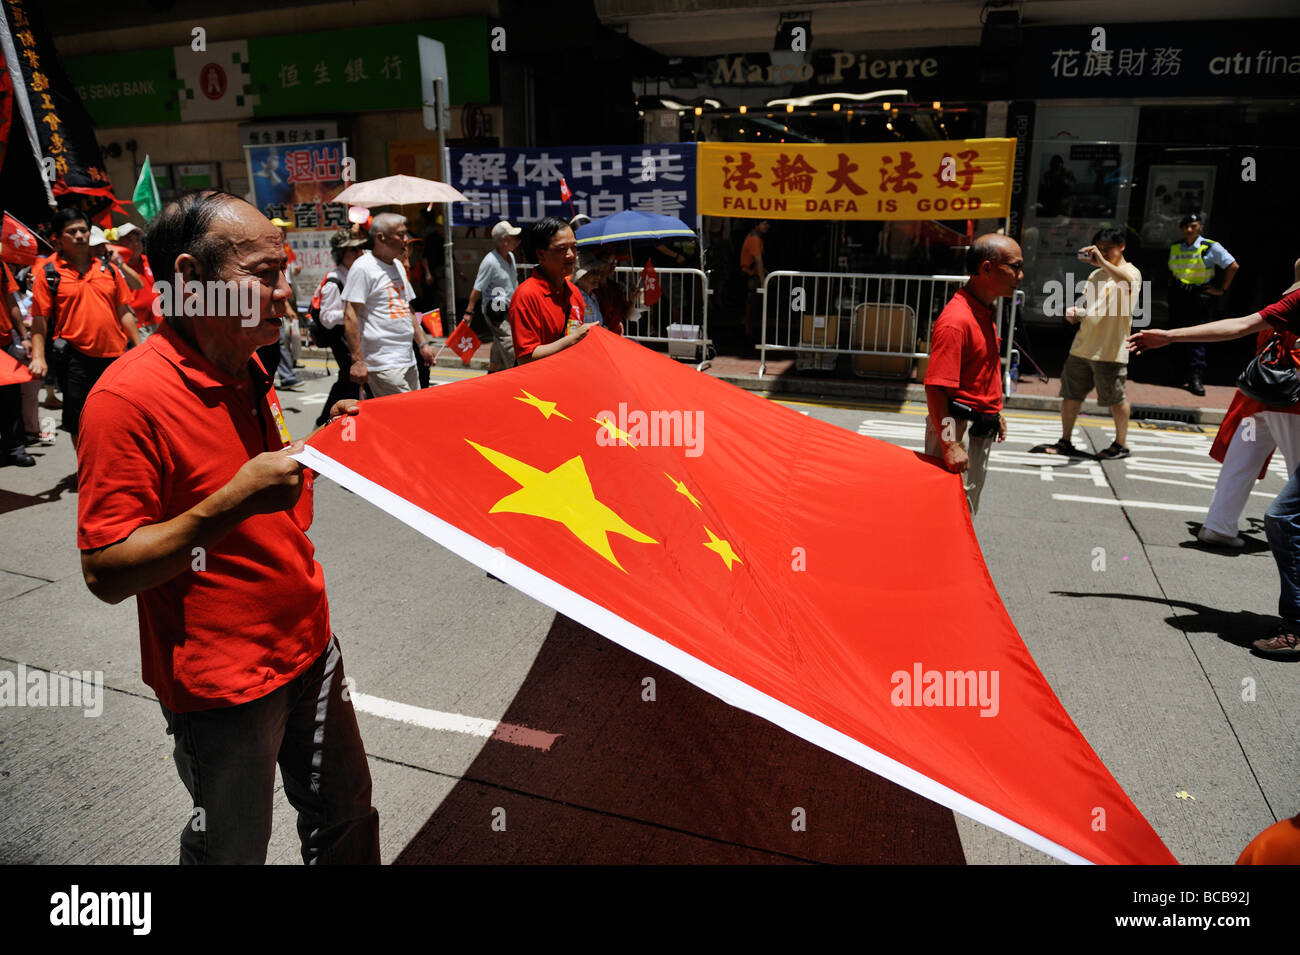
(963, 383)
(1098, 355)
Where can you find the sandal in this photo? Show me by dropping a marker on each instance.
(1116, 450)
(1282, 643)
(1062, 448)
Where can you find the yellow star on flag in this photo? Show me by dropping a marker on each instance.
(721, 548)
(614, 431)
(563, 495)
(682, 489)
(547, 408)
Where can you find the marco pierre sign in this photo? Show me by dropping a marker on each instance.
(740, 71)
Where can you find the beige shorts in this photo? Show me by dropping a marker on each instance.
(392, 381)
(1081, 375)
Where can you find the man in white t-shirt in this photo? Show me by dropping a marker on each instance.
(377, 315)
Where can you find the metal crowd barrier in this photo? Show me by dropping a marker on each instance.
(880, 320)
(679, 319)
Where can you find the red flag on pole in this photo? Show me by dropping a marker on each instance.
(788, 566)
(650, 284)
(565, 194)
(432, 323)
(463, 342)
(18, 244)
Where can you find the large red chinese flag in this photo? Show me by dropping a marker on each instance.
(825, 581)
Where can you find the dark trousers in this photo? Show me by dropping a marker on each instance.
(79, 376)
(226, 757)
(1189, 307)
(11, 419)
(343, 387)
(421, 369)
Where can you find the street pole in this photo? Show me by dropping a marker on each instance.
(444, 160)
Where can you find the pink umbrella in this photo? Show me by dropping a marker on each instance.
(398, 191)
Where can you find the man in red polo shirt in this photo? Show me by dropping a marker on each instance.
(92, 315)
(963, 383)
(190, 502)
(546, 309)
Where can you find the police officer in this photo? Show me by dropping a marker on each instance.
(1192, 290)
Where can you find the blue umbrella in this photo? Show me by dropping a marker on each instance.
(630, 226)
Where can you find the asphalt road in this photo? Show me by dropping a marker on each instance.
(1149, 655)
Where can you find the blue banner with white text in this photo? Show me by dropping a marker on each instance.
(524, 185)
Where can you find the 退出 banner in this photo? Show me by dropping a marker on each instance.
(945, 179)
(296, 182)
(524, 184)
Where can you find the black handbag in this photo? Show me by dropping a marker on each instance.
(1271, 377)
(983, 424)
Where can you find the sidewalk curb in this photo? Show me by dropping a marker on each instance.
(911, 392)
(895, 392)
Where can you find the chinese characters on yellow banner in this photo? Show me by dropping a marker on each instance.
(948, 179)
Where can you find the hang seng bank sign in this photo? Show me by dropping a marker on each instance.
(948, 179)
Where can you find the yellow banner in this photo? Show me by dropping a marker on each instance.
(947, 179)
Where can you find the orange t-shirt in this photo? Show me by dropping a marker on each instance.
(751, 250)
(1279, 844)
(89, 306)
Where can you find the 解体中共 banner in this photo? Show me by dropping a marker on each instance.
(524, 184)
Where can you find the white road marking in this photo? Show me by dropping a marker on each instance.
(316, 399)
(1203, 487)
(453, 722)
(1189, 508)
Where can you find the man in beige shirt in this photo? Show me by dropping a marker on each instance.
(1099, 356)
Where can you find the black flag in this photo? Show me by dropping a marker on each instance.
(49, 111)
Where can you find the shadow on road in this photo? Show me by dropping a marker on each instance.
(13, 501)
(1238, 627)
(1252, 545)
(684, 778)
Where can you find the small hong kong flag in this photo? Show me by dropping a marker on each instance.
(650, 283)
(463, 342)
(565, 193)
(17, 242)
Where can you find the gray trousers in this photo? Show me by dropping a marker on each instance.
(977, 449)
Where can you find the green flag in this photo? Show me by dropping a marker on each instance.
(145, 197)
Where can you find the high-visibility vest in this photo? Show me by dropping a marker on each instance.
(1188, 265)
